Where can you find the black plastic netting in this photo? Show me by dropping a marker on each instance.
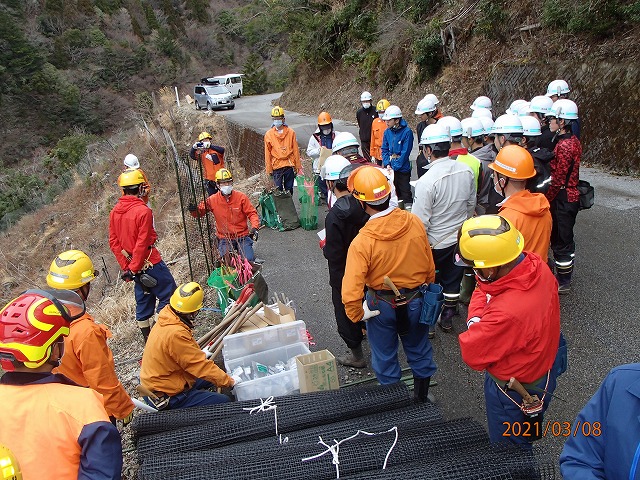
(368, 399)
(239, 428)
(359, 454)
(420, 414)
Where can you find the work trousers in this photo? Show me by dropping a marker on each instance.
(242, 245)
(366, 149)
(146, 297)
(322, 188)
(350, 332)
(197, 396)
(382, 334)
(563, 215)
(448, 274)
(421, 162)
(403, 188)
(283, 178)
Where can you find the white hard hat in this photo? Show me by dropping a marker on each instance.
(131, 161)
(530, 126)
(557, 87)
(393, 111)
(507, 124)
(425, 105)
(516, 105)
(540, 104)
(487, 125)
(482, 113)
(434, 133)
(524, 109)
(472, 127)
(432, 97)
(564, 108)
(452, 125)
(332, 167)
(344, 140)
(481, 102)
(364, 96)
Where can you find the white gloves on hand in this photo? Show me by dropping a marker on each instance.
(207, 352)
(369, 313)
(209, 157)
(236, 379)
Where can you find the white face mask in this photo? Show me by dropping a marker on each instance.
(278, 123)
(226, 189)
(366, 105)
(206, 144)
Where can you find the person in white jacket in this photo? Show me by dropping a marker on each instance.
(322, 138)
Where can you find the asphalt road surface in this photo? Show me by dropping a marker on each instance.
(599, 316)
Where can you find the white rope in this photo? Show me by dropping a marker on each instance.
(265, 406)
(335, 448)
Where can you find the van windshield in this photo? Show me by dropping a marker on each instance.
(217, 90)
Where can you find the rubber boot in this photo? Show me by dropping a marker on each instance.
(467, 286)
(450, 309)
(421, 389)
(145, 328)
(564, 272)
(355, 359)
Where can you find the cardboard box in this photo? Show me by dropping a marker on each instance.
(268, 316)
(317, 372)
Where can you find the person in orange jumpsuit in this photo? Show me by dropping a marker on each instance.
(529, 213)
(211, 157)
(231, 210)
(377, 132)
(281, 152)
(173, 366)
(55, 428)
(87, 358)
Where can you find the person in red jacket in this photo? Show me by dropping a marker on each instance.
(87, 358)
(231, 210)
(55, 428)
(132, 239)
(211, 157)
(514, 324)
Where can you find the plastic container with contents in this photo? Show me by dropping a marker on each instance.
(246, 343)
(273, 371)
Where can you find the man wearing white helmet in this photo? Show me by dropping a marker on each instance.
(397, 143)
(346, 145)
(481, 102)
(427, 110)
(364, 116)
(538, 108)
(434, 99)
(131, 162)
(542, 157)
(343, 222)
(563, 193)
(558, 90)
(445, 197)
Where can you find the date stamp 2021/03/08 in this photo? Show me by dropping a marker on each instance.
(551, 428)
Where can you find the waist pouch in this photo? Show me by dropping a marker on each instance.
(432, 303)
(147, 280)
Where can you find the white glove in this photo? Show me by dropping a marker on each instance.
(236, 380)
(209, 157)
(207, 352)
(369, 313)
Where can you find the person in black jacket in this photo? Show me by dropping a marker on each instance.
(342, 224)
(364, 117)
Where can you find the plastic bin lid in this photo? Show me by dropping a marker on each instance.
(261, 339)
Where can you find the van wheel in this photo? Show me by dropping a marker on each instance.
(209, 106)
(231, 107)
(197, 105)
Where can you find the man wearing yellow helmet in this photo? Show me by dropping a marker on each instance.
(211, 157)
(55, 428)
(378, 126)
(173, 366)
(232, 210)
(132, 239)
(514, 324)
(88, 360)
(281, 152)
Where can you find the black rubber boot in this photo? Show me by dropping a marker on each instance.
(421, 389)
(355, 359)
(145, 333)
(563, 274)
(467, 286)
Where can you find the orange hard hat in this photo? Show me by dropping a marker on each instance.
(324, 118)
(369, 184)
(514, 162)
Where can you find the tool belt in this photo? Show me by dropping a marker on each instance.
(527, 386)
(389, 297)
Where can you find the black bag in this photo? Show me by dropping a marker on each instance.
(587, 194)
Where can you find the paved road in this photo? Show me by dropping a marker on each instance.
(600, 316)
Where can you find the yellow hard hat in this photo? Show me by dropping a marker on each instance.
(514, 162)
(9, 468)
(324, 118)
(223, 175)
(204, 135)
(71, 270)
(131, 178)
(187, 298)
(277, 111)
(382, 105)
(488, 241)
(369, 184)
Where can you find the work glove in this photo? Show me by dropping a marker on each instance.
(253, 233)
(206, 352)
(198, 145)
(127, 276)
(192, 207)
(369, 313)
(127, 420)
(236, 380)
(209, 157)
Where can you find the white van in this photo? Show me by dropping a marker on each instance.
(233, 82)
